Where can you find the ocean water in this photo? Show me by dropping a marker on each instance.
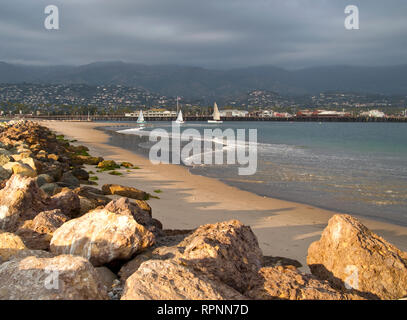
(356, 168)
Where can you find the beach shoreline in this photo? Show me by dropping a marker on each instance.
(283, 228)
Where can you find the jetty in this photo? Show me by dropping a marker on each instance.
(205, 118)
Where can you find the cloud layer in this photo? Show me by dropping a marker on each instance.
(209, 33)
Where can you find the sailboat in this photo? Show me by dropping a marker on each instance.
(180, 119)
(140, 118)
(216, 115)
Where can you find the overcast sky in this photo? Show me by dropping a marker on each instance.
(207, 33)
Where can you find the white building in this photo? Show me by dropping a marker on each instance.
(282, 115)
(373, 114)
(267, 113)
(234, 113)
(328, 113)
(155, 113)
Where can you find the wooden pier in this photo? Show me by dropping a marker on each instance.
(205, 118)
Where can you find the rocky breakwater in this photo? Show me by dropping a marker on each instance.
(70, 240)
(218, 261)
(56, 236)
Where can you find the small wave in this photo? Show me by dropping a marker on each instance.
(130, 131)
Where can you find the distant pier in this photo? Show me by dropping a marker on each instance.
(86, 118)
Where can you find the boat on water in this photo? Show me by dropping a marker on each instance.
(180, 119)
(216, 115)
(140, 118)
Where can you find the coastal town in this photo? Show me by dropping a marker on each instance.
(80, 99)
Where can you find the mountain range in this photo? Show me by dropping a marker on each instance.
(197, 82)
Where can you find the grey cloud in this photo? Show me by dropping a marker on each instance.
(221, 33)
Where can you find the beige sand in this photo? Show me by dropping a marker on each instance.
(283, 228)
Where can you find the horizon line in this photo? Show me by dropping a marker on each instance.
(202, 67)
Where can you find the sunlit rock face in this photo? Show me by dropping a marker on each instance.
(101, 236)
(167, 280)
(20, 200)
(228, 251)
(349, 255)
(36, 277)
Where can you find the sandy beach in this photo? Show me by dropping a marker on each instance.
(283, 228)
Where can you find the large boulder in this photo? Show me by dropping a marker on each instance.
(5, 174)
(4, 152)
(69, 180)
(64, 277)
(228, 251)
(167, 280)
(142, 206)
(4, 158)
(10, 245)
(21, 169)
(34, 164)
(80, 174)
(165, 248)
(142, 216)
(123, 191)
(140, 209)
(55, 170)
(290, 284)
(101, 236)
(351, 256)
(86, 205)
(9, 166)
(20, 200)
(21, 254)
(160, 252)
(67, 201)
(50, 188)
(44, 179)
(93, 194)
(37, 233)
(21, 155)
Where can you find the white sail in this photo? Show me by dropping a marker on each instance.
(140, 118)
(216, 113)
(180, 119)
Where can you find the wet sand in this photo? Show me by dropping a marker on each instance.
(283, 228)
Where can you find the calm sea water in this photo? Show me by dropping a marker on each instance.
(357, 168)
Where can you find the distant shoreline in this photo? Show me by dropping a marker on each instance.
(122, 118)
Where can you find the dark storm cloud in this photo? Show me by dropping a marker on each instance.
(221, 33)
